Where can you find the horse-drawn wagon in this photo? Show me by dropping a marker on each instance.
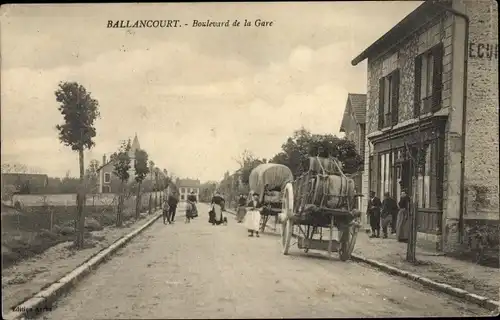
(268, 180)
(322, 198)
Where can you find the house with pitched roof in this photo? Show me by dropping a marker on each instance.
(108, 182)
(353, 121)
(353, 126)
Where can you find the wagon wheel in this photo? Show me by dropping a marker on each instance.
(263, 222)
(347, 239)
(286, 222)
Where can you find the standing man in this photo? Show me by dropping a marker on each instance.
(172, 203)
(373, 212)
(389, 211)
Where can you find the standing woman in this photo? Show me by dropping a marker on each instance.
(403, 223)
(242, 201)
(217, 206)
(252, 218)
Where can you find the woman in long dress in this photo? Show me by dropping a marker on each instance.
(240, 215)
(252, 218)
(215, 214)
(403, 223)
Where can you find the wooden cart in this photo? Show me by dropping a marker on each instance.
(317, 201)
(268, 180)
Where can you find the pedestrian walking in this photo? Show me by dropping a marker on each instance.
(166, 212)
(389, 210)
(192, 210)
(373, 212)
(403, 223)
(172, 203)
(215, 216)
(240, 215)
(252, 218)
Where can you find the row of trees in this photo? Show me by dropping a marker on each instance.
(295, 153)
(80, 111)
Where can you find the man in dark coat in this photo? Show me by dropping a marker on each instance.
(373, 212)
(172, 203)
(389, 211)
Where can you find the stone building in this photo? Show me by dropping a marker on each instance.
(186, 186)
(417, 108)
(353, 126)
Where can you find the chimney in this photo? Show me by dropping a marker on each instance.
(103, 159)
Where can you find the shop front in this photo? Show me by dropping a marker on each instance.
(411, 158)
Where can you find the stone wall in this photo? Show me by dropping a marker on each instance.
(439, 30)
(481, 156)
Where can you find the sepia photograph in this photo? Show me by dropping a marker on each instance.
(250, 160)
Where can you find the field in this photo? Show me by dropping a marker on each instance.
(31, 228)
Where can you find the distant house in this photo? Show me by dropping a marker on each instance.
(353, 125)
(107, 180)
(186, 186)
(25, 183)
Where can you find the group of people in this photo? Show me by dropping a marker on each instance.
(389, 212)
(170, 207)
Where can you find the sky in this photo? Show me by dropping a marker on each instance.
(196, 97)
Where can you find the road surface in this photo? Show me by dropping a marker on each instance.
(198, 270)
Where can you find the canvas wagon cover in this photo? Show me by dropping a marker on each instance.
(272, 174)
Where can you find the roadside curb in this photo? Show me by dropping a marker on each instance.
(442, 287)
(43, 300)
(459, 293)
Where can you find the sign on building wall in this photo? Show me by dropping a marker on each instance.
(483, 50)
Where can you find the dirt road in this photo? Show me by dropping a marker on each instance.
(198, 270)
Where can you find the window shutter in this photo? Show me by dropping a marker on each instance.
(381, 85)
(437, 77)
(418, 79)
(395, 97)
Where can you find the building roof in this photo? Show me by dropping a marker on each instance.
(133, 147)
(355, 105)
(413, 21)
(190, 183)
(135, 144)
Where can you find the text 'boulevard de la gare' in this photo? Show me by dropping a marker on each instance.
(154, 24)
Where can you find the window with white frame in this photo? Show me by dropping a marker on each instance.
(386, 176)
(106, 189)
(424, 180)
(107, 177)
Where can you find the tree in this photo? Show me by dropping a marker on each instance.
(79, 111)
(121, 166)
(69, 184)
(92, 177)
(247, 162)
(151, 168)
(16, 167)
(141, 171)
(298, 148)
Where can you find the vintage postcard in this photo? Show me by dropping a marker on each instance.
(250, 160)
